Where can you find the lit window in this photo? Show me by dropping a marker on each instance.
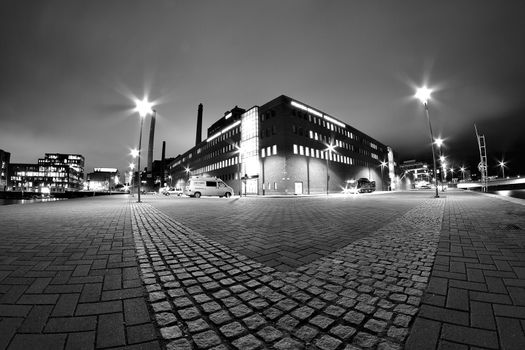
(307, 151)
(263, 153)
(274, 150)
(269, 151)
(294, 148)
(275, 185)
(301, 150)
(316, 153)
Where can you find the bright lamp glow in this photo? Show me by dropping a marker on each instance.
(143, 107)
(330, 148)
(134, 153)
(132, 166)
(423, 94)
(439, 142)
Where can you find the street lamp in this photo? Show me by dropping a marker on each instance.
(462, 169)
(131, 173)
(439, 143)
(423, 94)
(330, 148)
(239, 151)
(143, 107)
(502, 165)
(383, 164)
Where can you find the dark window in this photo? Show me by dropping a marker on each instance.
(274, 130)
(211, 184)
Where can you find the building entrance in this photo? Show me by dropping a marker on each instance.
(250, 186)
(298, 188)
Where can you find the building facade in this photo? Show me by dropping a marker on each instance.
(5, 158)
(284, 147)
(56, 172)
(102, 179)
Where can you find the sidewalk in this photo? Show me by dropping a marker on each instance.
(101, 273)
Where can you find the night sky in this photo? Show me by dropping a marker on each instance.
(70, 69)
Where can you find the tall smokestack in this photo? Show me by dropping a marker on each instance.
(163, 175)
(198, 137)
(150, 147)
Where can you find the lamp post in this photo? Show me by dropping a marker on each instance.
(502, 165)
(423, 94)
(383, 164)
(239, 151)
(462, 169)
(131, 174)
(439, 143)
(143, 107)
(330, 148)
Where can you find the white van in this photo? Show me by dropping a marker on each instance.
(207, 186)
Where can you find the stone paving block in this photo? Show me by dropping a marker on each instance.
(104, 307)
(470, 336)
(206, 339)
(44, 341)
(481, 315)
(9, 310)
(80, 341)
(510, 333)
(70, 324)
(424, 335)
(66, 305)
(110, 330)
(135, 311)
(37, 319)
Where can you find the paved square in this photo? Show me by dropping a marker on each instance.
(385, 271)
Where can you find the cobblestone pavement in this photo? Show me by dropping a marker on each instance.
(286, 233)
(476, 295)
(69, 277)
(365, 294)
(391, 271)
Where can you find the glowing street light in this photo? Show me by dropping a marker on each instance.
(383, 164)
(462, 169)
(423, 95)
(329, 149)
(502, 166)
(143, 107)
(131, 167)
(239, 151)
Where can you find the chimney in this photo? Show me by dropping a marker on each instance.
(163, 174)
(150, 147)
(198, 137)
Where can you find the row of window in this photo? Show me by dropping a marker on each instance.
(269, 151)
(330, 126)
(218, 165)
(321, 154)
(225, 136)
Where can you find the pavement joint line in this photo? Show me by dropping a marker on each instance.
(367, 293)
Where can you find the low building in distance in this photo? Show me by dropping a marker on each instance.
(284, 147)
(5, 158)
(56, 172)
(102, 179)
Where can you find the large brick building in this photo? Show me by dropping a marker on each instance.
(284, 147)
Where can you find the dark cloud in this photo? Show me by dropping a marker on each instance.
(70, 70)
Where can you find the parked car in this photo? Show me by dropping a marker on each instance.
(168, 191)
(207, 186)
(359, 186)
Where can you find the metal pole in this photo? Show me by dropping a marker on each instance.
(140, 145)
(327, 176)
(432, 144)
